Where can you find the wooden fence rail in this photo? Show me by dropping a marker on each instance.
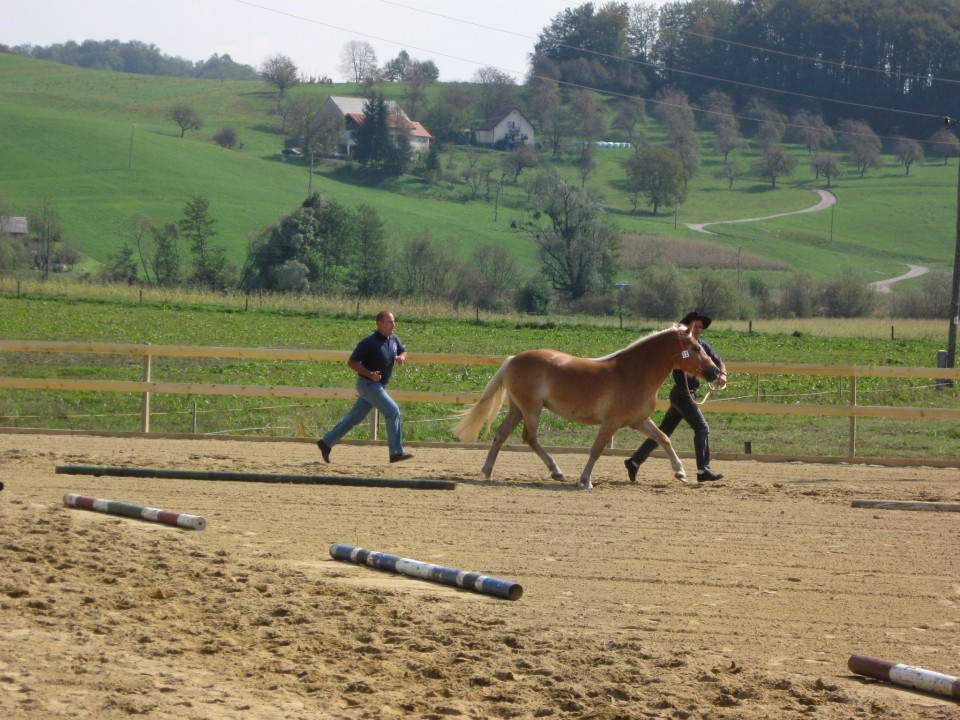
(851, 409)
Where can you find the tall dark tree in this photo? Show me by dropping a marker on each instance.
(210, 266)
(372, 139)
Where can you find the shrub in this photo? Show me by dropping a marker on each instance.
(847, 294)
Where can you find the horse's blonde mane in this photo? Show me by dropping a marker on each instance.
(638, 341)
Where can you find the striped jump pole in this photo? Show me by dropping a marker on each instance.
(906, 675)
(98, 470)
(427, 571)
(113, 507)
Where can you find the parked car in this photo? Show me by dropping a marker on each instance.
(292, 152)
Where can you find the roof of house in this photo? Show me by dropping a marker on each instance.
(415, 128)
(354, 106)
(499, 115)
(13, 225)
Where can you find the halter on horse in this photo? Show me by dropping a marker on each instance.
(615, 391)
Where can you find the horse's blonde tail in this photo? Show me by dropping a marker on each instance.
(484, 412)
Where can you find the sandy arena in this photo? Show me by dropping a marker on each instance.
(739, 599)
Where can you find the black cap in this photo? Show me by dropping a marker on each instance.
(691, 316)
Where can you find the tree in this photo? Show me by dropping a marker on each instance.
(210, 268)
(396, 70)
(186, 117)
(368, 274)
(519, 159)
(945, 144)
(576, 245)
(121, 267)
(658, 175)
(587, 120)
(827, 165)
(775, 162)
(771, 123)
(811, 131)
(226, 137)
(907, 151)
(372, 139)
(358, 61)
(281, 72)
(319, 128)
(631, 112)
(495, 90)
(45, 233)
(847, 294)
(862, 143)
(426, 267)
(158, 249)
(729, 171)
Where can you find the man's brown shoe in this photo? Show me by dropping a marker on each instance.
(400, 457)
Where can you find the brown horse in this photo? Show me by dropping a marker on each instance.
(615, 391)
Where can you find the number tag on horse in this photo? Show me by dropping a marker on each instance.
(685, 354)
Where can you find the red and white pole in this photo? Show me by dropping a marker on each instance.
(906, 675)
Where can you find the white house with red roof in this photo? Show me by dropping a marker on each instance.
(351, 109)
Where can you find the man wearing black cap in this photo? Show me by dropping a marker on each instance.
(683, 406)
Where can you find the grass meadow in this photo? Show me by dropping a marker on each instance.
(99, 144)
(123, 316)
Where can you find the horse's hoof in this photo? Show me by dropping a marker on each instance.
(558, 476)
(586, 485)
(681, 476)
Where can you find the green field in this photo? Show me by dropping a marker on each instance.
(98, 144)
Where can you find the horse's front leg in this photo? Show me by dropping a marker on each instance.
(650, 429)
(596, 450)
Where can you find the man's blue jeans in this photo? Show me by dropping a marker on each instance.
(370, 395)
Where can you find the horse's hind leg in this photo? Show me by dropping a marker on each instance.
(509, 424)
(530, 438)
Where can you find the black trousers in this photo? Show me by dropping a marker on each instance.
(682, 407)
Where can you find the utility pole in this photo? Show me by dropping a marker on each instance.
(955, 291)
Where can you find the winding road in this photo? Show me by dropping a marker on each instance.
(827, 200)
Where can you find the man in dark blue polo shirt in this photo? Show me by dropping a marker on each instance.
(373, 360)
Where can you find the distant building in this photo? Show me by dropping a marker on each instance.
(351, 110)
(508, 126)
(13, 225)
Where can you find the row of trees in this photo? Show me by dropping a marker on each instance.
(874, 54)
(136, 57)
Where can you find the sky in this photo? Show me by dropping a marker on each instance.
(459, 37)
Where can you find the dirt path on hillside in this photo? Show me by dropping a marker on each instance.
(740, 599)
(827, 200)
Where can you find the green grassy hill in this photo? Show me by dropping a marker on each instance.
(99, 145)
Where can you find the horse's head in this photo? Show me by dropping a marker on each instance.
(693, 359)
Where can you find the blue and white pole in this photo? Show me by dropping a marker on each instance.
(427, 571)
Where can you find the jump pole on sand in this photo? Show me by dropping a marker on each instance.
(906, 505)
(906, 675)
(426, 571)
(113, 507)
(416, 484)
